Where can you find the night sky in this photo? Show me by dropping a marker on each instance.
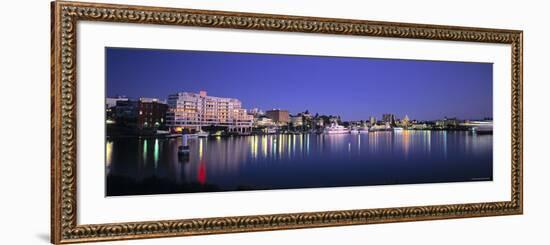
(354, 88)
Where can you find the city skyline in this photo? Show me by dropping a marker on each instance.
(297, 113)
(298, 83)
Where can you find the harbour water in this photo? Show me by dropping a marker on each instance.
(261, 162)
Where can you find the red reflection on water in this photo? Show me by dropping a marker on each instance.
(201, 177)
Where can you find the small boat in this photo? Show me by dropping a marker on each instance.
(397, 129)
(336, 129)
(217, 134)
(202, 134)
(363, 130)
(271, 131)
(380, 127)
(354, 131)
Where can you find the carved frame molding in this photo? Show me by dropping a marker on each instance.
(66, 15)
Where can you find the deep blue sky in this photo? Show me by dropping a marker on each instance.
(354, 88)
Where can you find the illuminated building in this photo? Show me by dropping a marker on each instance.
(372, 120)
(263, 122)
(447, 123)
(297, 121)
(124, 112)
(111, 102)
(256, 112)
(319, 122)
(405, 122)
(388, 118)
(278, 116)
(140, 114)
(194, 110)
(151, 113)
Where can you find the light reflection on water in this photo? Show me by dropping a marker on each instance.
(305, 160)
(156, 152)
(144, 151)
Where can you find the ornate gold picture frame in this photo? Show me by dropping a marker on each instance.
(64, 41)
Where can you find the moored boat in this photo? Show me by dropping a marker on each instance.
(217, 134)
(380, 127)
(336, 129)
(202, 134)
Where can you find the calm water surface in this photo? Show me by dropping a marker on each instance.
(152, 166)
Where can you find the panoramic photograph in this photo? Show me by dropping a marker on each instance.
(190, 121)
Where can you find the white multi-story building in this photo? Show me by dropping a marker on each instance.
(256, 112)
(193, 110)
(263, 122)
(111, 102)
(296, 121)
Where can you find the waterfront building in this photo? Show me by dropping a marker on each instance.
(280, 117)
(307, 120)
(333, 119)
(111, 102)
(263, 121)
(151, 113)
(188, 110)
(406, 121)
(319, 122)
(389, 118)
(139, 114)
(372, 120)
(419, 126)
(297, 121)
(386, 126)
(447, 123)
(256, 112)
(453, 122)
(307, 115)
(124, 113)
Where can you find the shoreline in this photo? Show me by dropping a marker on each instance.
(169, 136)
